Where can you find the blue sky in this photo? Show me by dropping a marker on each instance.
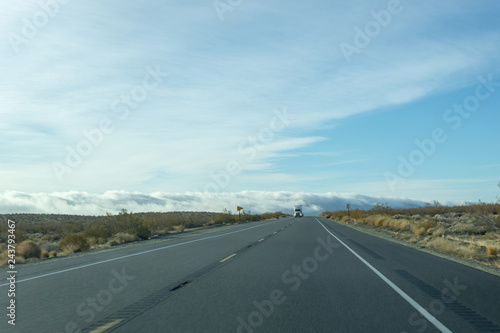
(201, 96)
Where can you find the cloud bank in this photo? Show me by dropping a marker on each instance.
(83, 203)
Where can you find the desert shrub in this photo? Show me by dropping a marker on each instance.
(99, 232)
(224, 218)
(28, 249)
(381, 208)
(492, 251)
(142, 231)
(45, 254)
(497, 221)
(74, 243)
(52, 254)
(50, 246)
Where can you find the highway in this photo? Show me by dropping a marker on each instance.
(290, 275)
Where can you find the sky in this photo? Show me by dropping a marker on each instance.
(317, 101)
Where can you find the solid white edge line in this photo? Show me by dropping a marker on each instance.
(132, 255)
(407, 298)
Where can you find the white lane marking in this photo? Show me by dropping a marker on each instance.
(133, 254)
(407, 298)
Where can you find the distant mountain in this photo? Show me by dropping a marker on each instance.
(83, 203)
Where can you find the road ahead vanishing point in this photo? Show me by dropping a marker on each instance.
(290, 275)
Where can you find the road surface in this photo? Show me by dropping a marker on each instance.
(290, 275)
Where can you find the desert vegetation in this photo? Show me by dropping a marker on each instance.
(40, 236)
(469, 231)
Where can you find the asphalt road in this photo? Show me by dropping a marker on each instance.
(290, 275)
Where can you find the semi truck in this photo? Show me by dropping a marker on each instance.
(297, 211)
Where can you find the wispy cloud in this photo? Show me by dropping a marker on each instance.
(225, 78)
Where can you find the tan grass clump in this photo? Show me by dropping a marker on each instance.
(472, 249)
(438, 232)
(28, 249)
(418, 231)
(179, 228)
(399, 224)
(492, 251)
(124, 237)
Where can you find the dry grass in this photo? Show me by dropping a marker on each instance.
(471, 232)
(450, 247)
(45, 254)
(28, 249)
(439, 232)
(179, 228)
(418, 231)
(123, 237)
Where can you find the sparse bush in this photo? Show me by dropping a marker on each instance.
(492, 251)
(50, 246)
(28, 249)
(224, 218)
(142, 231)
(382, 208)
(99, 232)
(45, 254)
(52, 254)
(74, 243)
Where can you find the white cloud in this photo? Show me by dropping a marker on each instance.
(83, 203)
